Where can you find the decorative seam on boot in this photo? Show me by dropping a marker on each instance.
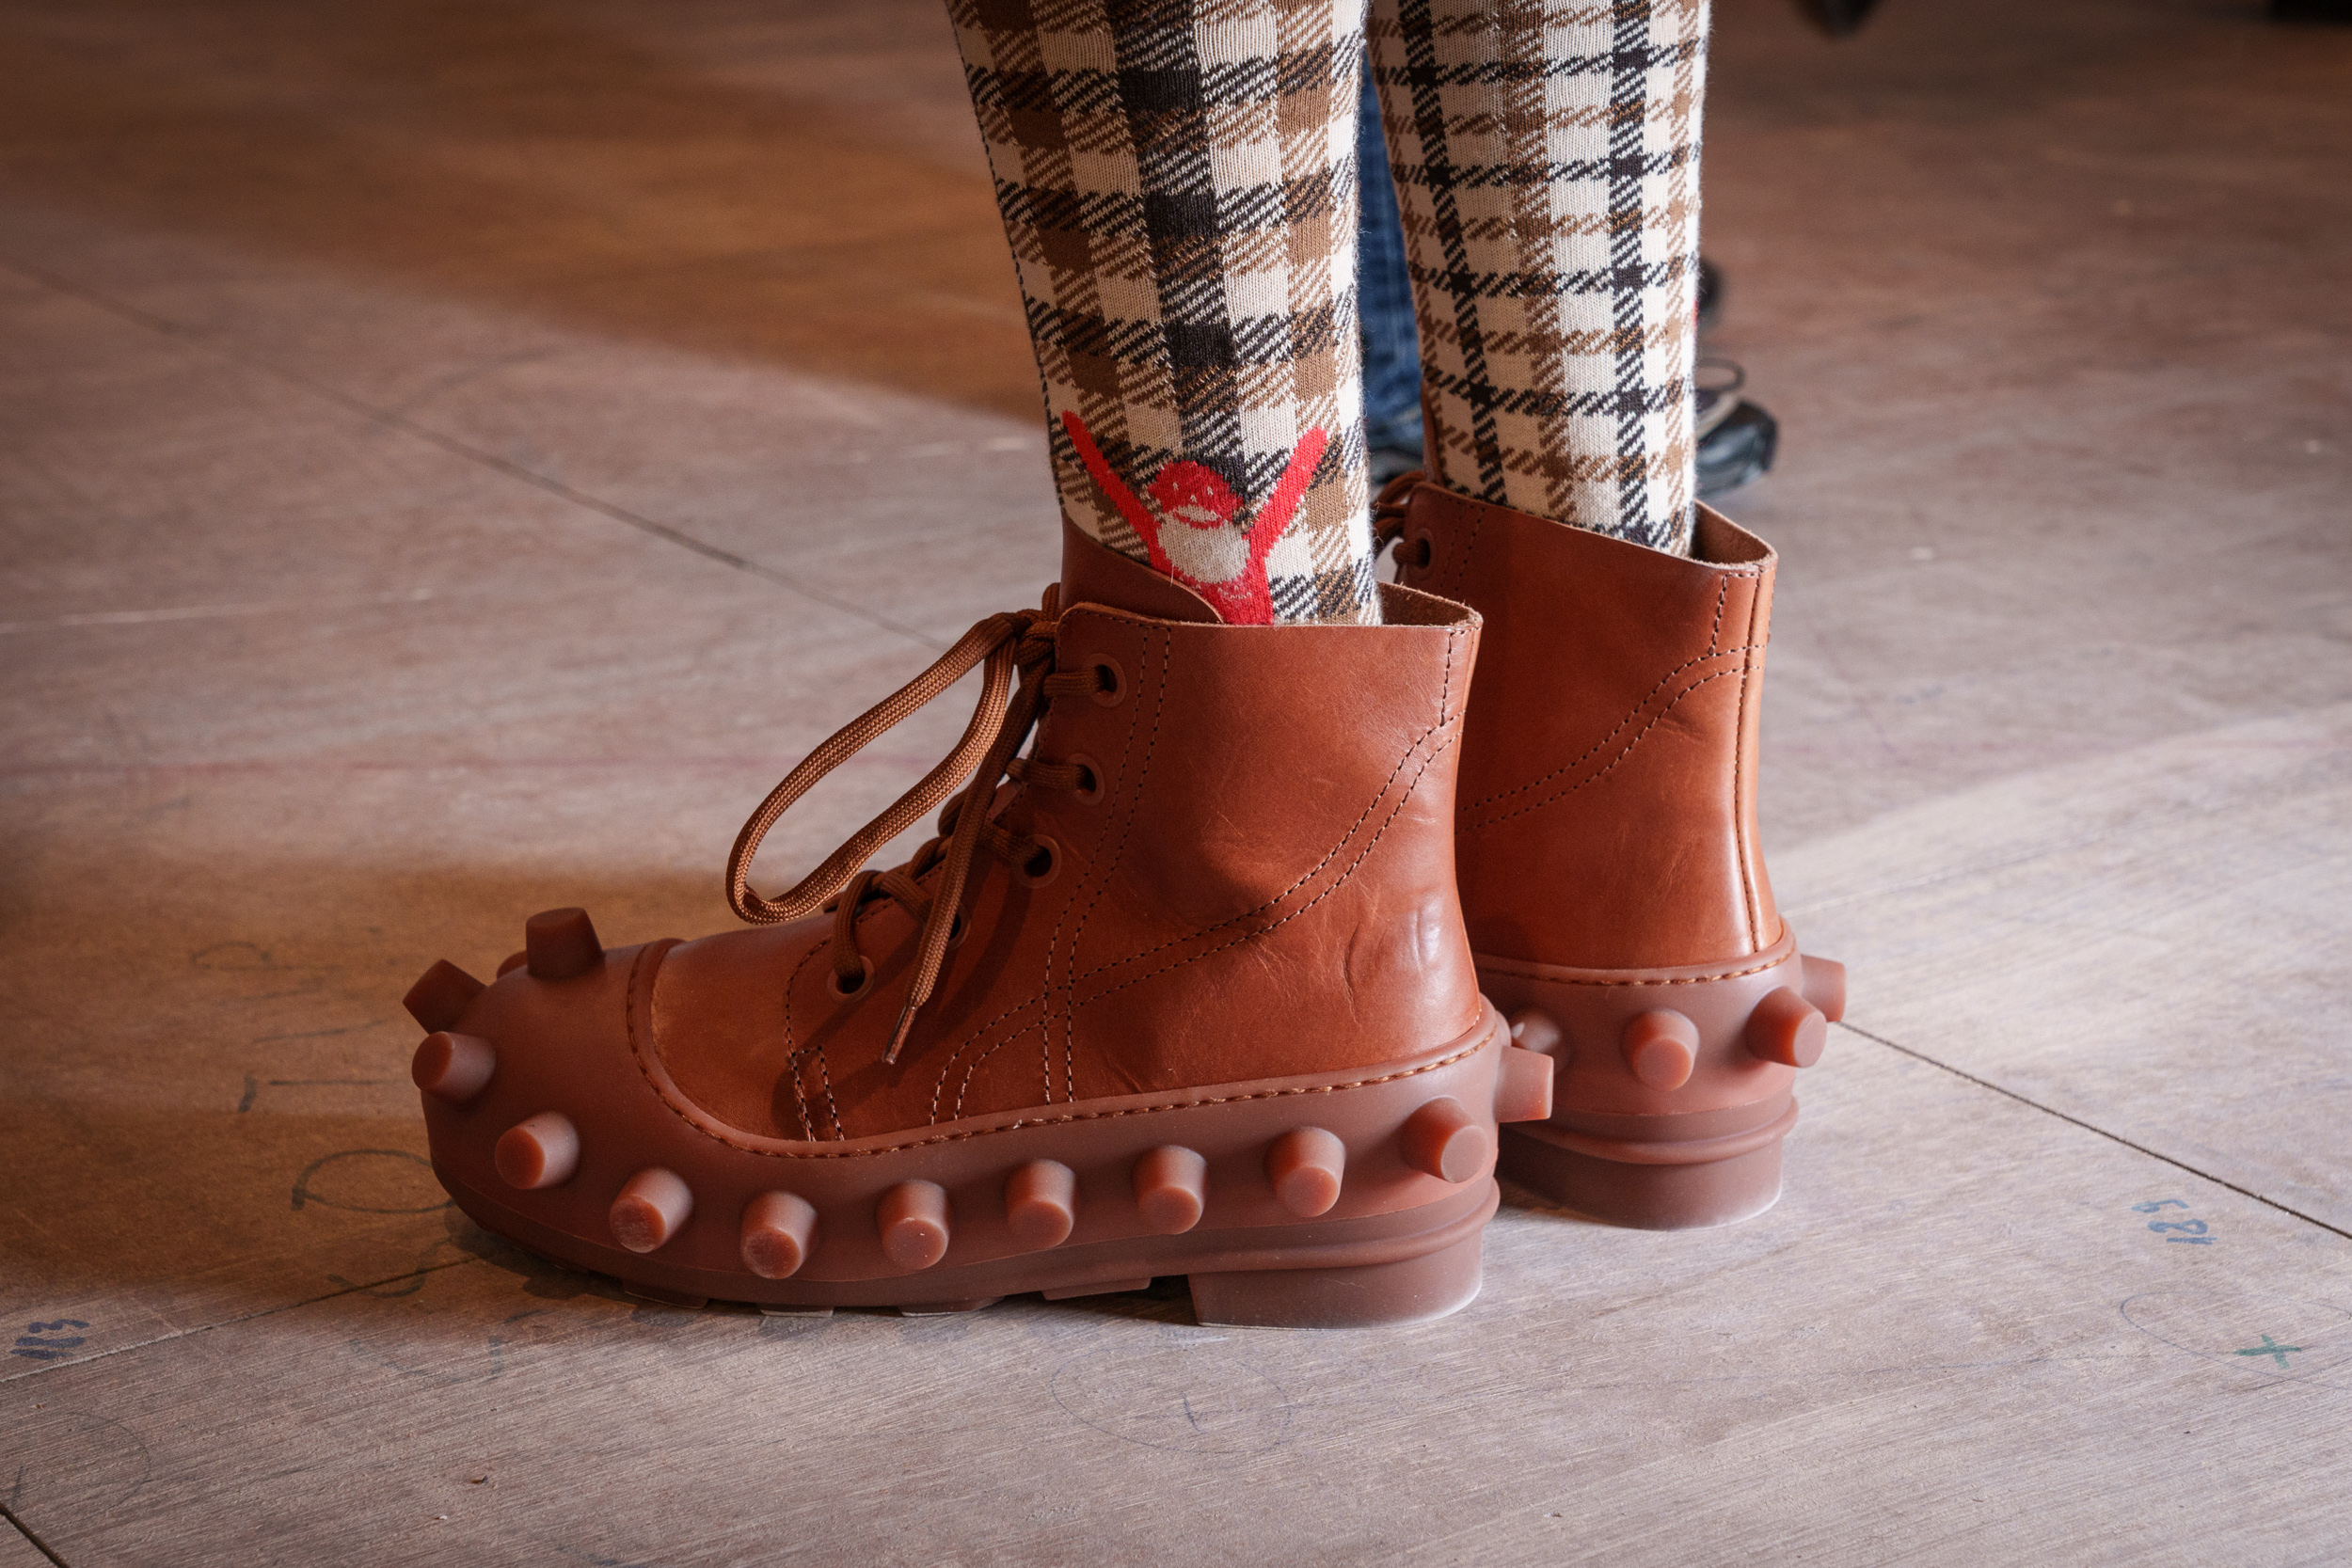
(1458, 569)
(1427, 762)
(794, 1056)
(1632, 713)
(1527, 968)
(1167, 655)
(1336, 883)
(1443, 720)
(1041, 999)
(1738, 775)
(797, 1057)
(1066, 1118)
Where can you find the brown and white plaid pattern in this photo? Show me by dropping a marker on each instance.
(1547, 161)
(1178, 180)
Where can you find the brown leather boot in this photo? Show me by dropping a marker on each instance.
(1611, 875)
(1189, 994)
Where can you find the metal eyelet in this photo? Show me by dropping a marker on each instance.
(1039, 868)
(1091, 792)
(1110, 681)
(834, 989)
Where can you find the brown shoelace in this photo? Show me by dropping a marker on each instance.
(1389, 508)
(1017, 643)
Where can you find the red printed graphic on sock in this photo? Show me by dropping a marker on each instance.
(1193, 526)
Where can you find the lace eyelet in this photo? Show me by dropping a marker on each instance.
(1091, 792)
(1038, 869)
(955, 931)
(834, 989)
(1415, 552)
(1110, 681)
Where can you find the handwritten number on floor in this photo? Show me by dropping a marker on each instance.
(2191, 1230)
(48, 1341)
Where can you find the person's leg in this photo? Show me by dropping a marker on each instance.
(1392, 433)
(1547, 160)
(1177, 851)
(1733, 436)
(1178, 183)
(1605, 837)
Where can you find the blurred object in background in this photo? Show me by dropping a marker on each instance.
(1385, 290)
(1736, 440)
(1839, 18)
(2310, 11)
(1710, 305)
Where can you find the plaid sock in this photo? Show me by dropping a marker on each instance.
(1178, 180)
(1547, 160)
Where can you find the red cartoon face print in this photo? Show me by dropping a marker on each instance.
(1190, 493)
(1192, 524)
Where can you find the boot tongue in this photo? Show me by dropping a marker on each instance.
(1094, 572)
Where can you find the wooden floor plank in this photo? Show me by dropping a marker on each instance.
(2155, 943)
(456, 460)
(16, 1551)
(1958, 1337)
(251, 797)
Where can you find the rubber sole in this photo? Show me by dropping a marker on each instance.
(1344, 1201)
(1675, 1088)
(1243, 1288)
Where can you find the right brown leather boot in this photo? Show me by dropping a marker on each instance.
(1188, 995)
(1611, 877)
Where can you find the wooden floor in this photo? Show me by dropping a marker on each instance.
(454, 458)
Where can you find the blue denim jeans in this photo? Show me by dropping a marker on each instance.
(1391, 352)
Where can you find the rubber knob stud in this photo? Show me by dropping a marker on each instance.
(1172, 1189)
(1824, 986)
(452, 1068)
(1788, 1029)
(1661, 1047)
(912, 1217)
(541, 1151)
(779, 1233)
(653, 1208)
(441, 995)
(1534, 1029)
(560, 944)
(1443, 1140)
(1523, 1086)
(512, 963)
(1307, 1166)
(1042, 1203)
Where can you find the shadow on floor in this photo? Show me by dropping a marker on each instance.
(524, 158)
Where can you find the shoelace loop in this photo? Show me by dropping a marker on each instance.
(1390, 506)
(1012, 645)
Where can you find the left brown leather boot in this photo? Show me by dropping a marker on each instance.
(1611, 875)
(1188, 995)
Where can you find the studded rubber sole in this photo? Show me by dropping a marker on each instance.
(1351, 1201)
(1674, 1088)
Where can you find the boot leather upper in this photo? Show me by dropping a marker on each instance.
(1263, 887)
(1607, 798)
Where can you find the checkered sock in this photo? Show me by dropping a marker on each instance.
(1547, 160)
(1178, 179)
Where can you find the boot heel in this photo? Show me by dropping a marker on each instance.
(1675, 1088)
(1652, 1183)
(1367, 1295)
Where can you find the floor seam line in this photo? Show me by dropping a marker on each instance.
(360, 1289)
(466, 451)
(43, 1548)
(2093, 1127)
